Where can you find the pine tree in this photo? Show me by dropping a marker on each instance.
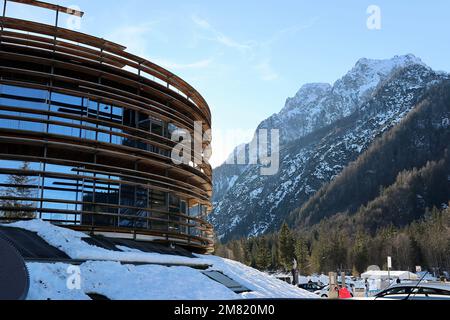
(318, 257)
(302, 255)
(20, 188)
(248, 252)
(286, 247)
(360, 254)
(263, 255)
(253, 253)
(275, 264)
(238, 251)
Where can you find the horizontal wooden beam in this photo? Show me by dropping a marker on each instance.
(50, 6)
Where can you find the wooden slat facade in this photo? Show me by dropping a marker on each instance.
(62, 61)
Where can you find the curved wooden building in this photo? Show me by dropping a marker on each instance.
(85, 138)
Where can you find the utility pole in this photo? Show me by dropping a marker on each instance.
(389, 265)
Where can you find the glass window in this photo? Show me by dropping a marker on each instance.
(134, 197)
(22, 91)
(66, 99)
(69, 109)
(129, 118)
(102, 136)
(117, 114)
(141, 197)
(128, 142)
(174, 203)
(158, 200)
(157, 127)
(60, 206)
(116, 139)
(22, 125)
(142, 145)
(63, 130)
(88, 134)
(183, 208)
(127, 198)
(23, 97)
(91, 111)
(60, 188)
(106, 113)
(19, 189)
(13, 164)
(194, 211)
(171, 128)
(143, 122)
(105, 194)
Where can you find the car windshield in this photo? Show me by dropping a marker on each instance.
(317, 286)
(396, 291)
(432, 291)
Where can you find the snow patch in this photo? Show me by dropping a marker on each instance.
(71, 243)
(124, 282)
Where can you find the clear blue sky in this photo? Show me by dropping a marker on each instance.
(247, 57)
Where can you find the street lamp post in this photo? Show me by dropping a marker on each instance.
(389, 265)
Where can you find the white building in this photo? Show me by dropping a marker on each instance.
(384, 275)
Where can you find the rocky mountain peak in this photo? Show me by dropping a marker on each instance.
(308, 93)
(319, 104)
(367, 74)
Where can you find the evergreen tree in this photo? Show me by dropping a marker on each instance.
(286, 247)
(360, 254)
(275, 263)
(20, 188)
(253, 253)
(238, 251)
(248, 252)
(263, 255)
(318, 257)
(302, 255)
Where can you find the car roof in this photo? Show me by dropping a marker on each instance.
(340, 284)
(438, 286)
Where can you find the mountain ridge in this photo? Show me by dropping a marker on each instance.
(247, 204)
(425, 131)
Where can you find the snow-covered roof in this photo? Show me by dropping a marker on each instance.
(403, 275)
(115, 275)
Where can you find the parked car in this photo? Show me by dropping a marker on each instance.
(311, 286)
(444, 277)
(411, 291)
(323, 293)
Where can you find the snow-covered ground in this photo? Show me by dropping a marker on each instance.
(107, 273)
(124, 282)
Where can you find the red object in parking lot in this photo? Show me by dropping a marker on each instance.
(344, 294)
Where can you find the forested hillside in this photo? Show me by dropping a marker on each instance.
(424, 135)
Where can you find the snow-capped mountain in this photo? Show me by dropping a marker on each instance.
(319, 104)
(322, 129)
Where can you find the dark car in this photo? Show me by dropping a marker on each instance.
(311, 286)
(422, 291)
